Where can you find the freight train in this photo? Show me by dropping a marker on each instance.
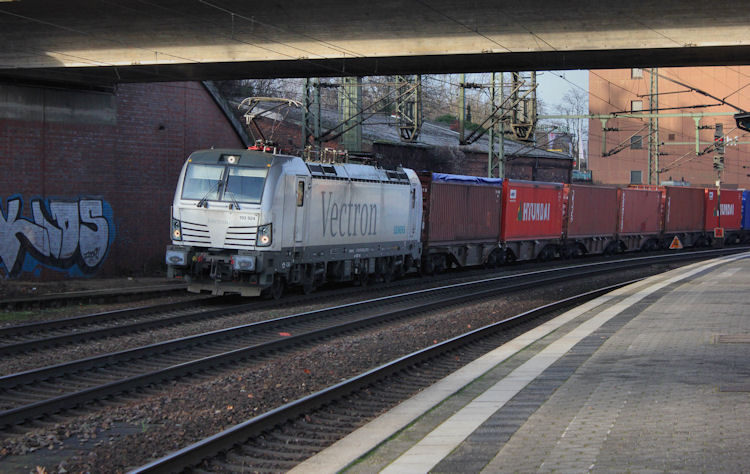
(249, 222)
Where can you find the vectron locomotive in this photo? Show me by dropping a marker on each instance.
(244, 221)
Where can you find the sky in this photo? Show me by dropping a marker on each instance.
(552, 87)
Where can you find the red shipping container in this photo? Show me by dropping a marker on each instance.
(459, 211)
(731, 209)
(590, 211)
(684, 209)
(639, 211)
(531, 210)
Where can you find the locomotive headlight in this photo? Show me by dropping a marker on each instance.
(263, 238)
(176, 230)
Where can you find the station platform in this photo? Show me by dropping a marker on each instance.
(652, 377)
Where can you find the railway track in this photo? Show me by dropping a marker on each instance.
(282, 438)
(37, 393)
(36, 336)
(91, 296)
(42, 335)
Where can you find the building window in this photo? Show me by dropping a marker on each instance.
(636, 73)
(635, 177)
(671, 137)
(636, 142)
(636, 105)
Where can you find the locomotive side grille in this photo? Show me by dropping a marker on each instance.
(195, 233)
(240, 237)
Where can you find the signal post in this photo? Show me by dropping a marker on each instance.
(719, 169)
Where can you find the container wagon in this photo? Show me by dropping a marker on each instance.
(532, 216)
(590, 220)
(461, 221)
(729, 203)
(684, 215)
(639, 219)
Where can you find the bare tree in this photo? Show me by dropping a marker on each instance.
(574, 103)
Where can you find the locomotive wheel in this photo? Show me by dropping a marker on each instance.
(308, 280)
(398, 271)
(308, 287)
(277, 288)
(388, 271)
(362, 279)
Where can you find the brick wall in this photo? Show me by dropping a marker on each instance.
(127, 156)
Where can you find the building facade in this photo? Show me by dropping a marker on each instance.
(675, 142)
(88, 177)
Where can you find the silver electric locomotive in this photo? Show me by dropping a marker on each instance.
(244, 221)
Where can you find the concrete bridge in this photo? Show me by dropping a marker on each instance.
(105, 42)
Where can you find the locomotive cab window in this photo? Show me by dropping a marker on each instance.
(300, 193)
(224, 183)
(245, 184)
(202, 182)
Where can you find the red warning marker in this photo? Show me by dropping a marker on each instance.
(676, 244)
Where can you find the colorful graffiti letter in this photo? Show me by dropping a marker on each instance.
(71, 236)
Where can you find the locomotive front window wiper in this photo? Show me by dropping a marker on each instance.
(215, 188)
(234, 201)
(202, 182)
(245, 184)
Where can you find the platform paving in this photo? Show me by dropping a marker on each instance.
(654, 377)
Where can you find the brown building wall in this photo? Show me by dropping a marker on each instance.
(100, 169)
(615, 90)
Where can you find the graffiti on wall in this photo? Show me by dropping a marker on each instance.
(70, 236)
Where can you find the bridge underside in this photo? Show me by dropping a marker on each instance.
(102, 42)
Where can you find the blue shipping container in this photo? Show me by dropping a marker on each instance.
(745, 210)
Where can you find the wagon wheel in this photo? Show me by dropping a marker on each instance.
(494, 259)
(441, 265)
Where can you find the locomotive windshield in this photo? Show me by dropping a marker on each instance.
(202, 182)
(245, 184)
(224, 183)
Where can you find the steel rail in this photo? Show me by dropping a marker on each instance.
(45, 407)
(53, 299)
(113, 330)
(76, 322)
(214, 445)
(11, 380)
(465, 294)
